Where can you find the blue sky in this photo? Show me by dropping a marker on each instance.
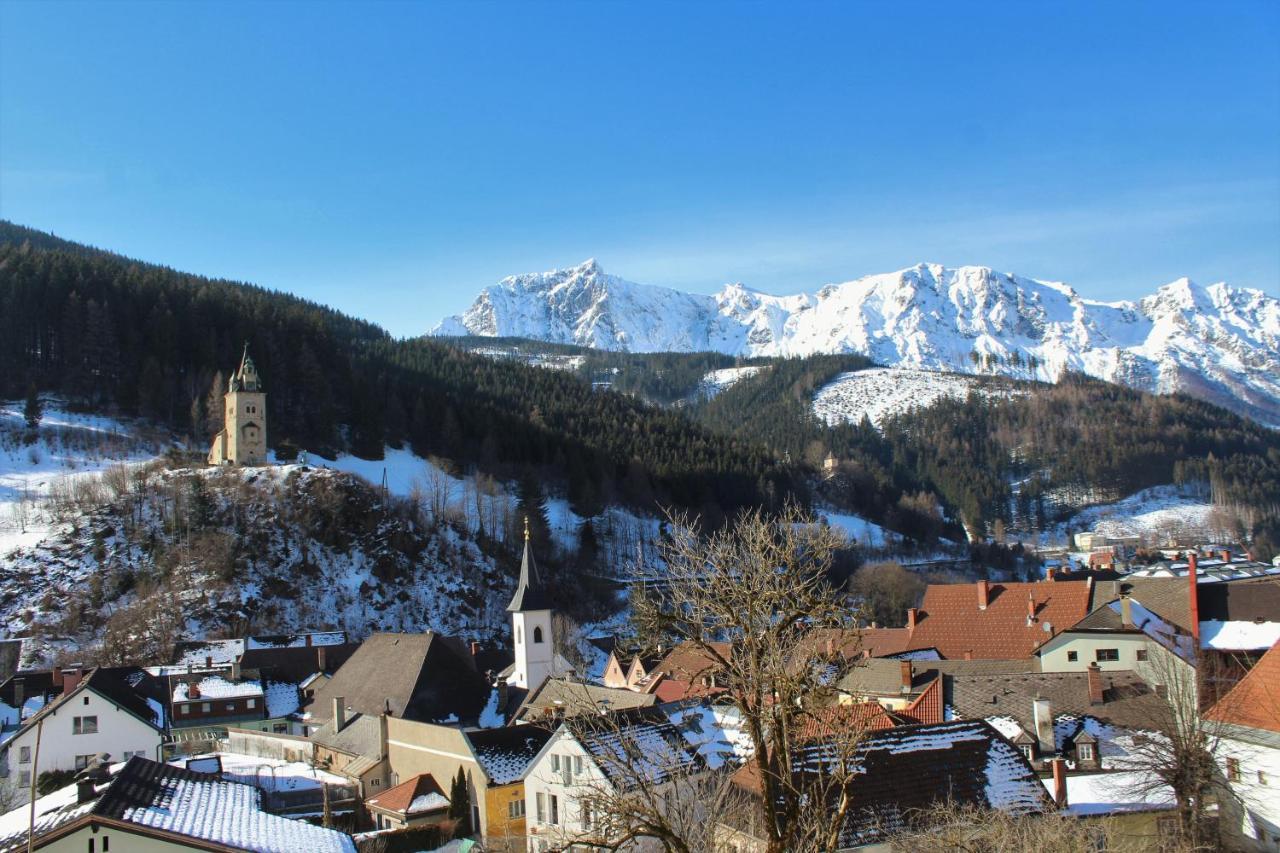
(392, 159)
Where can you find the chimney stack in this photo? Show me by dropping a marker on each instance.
(904, 667)
(339, 713)
(475, 649)
(19, 696)
(85, 791)
(1042, 714)
(309, 640)
(502, 695)
(71, 678)
(208, 661)
(1050, 572)
(912, 614)
(1094, 674)
(1059, 782)
(235, 670)
(320, 658)
(984, 593)
(1126, 612)
(56, 677)
(1193, 579)
(1031, 608)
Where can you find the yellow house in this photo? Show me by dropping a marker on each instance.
(494, 762)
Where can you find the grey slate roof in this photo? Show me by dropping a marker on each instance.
(1127, 700)
(362, 735)
(530, 594)
(422, 677)
(559, 696)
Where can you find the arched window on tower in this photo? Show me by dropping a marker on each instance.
(537, 634)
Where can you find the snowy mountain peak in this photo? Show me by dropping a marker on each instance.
(1218, 342)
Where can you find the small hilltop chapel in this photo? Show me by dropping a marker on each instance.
(243, 440)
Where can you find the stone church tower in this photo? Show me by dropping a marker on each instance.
(243, 440)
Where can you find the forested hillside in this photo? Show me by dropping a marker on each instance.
(107, 332)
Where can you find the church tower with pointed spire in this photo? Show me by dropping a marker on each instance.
(243, 440)
(530, 610)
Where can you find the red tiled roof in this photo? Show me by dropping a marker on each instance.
(825, 722)
(927, 707)
(399, 798)
(686, 671)
(951, 620)
(1255, 699)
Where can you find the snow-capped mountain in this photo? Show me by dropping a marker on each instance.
(1220, 343)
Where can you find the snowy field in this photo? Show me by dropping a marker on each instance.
(860, 530)
(69, 448)
(881, 392)
(1157, 514)
(718, 380)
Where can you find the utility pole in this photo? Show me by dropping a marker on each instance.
(35, 774)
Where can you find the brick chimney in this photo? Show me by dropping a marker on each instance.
(208, 661)
(1050, 572)
(1193, 571)
(309, 640)
(1031, 608)
(86, 790)
(320, 658)
(339, 713)
(193, 690)
(984, 593)
(913, 613)
(1126, 612)
(1094, 675)
(71, 678)
(1059, 782)
(904, 668)
(55, 677)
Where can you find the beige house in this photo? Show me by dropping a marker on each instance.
(243, 440)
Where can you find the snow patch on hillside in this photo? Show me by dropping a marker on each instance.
(881, 392)
(1158, 514)
(719, 380)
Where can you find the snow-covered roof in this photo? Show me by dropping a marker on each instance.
(1239, 636)
(217, 687)
(1111, 793)
(156, 796)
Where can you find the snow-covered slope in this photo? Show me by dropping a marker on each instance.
(1219, 342)
(880, 392)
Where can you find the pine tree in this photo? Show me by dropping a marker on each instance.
(33, 411)
(531, 504)
(460, 805)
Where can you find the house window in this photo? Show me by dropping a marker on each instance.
(251, 703)
(577, 764)
(24, 755)
(1084, 751)
(280, 728)
(555, 763)
(231, 706)
(586, 814)
(1073, 656)
(82, 761)
(24, 778)
(205, 707)
(515, 809)
(86, 700)
(84, 725)
(375, 783)
(1142, 654)
(537, 634)
(554, 808)
(1262, 777)
(1105, 655)
(542, 807)
(1233, 770)
(1027, 751)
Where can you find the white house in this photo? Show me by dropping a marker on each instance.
(1249, 750)
(585, 763)
(99, 714)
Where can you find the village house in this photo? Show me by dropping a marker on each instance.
(96, 714)
(628, 670)
(1248, 731)
(415, 802)
(904, 771)
(212, 700)
(582, 764)
(354, 746)
(557, 698)
(142, 805)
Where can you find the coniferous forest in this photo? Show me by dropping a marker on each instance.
(107, 332)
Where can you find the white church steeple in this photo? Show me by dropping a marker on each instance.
(530, 610)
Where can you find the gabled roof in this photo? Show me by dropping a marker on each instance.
(505, 754)
(109, 687)
(422, 677)
(530, 594)
(360, 736)
(159, 799)
(1017, 618)
(1254, 702)
(295, 663)
(562, 697)
(416, 796)
(686, 672)
(907, 769)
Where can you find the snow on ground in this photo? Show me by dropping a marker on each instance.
(859, 529)
(718, 380)
(69, 448)
(1104, 793)
(270, 774)
(1157, 514)
(880, 392)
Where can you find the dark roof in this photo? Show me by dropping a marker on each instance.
(1127, 700)
(561, 697)
(504, 754)
(361, 735)
(422, 677)
(530, 593)
(295, 663)
(1168, 598)
(907, 769)
(162, 798)
(638, 738)
(1256, 599)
